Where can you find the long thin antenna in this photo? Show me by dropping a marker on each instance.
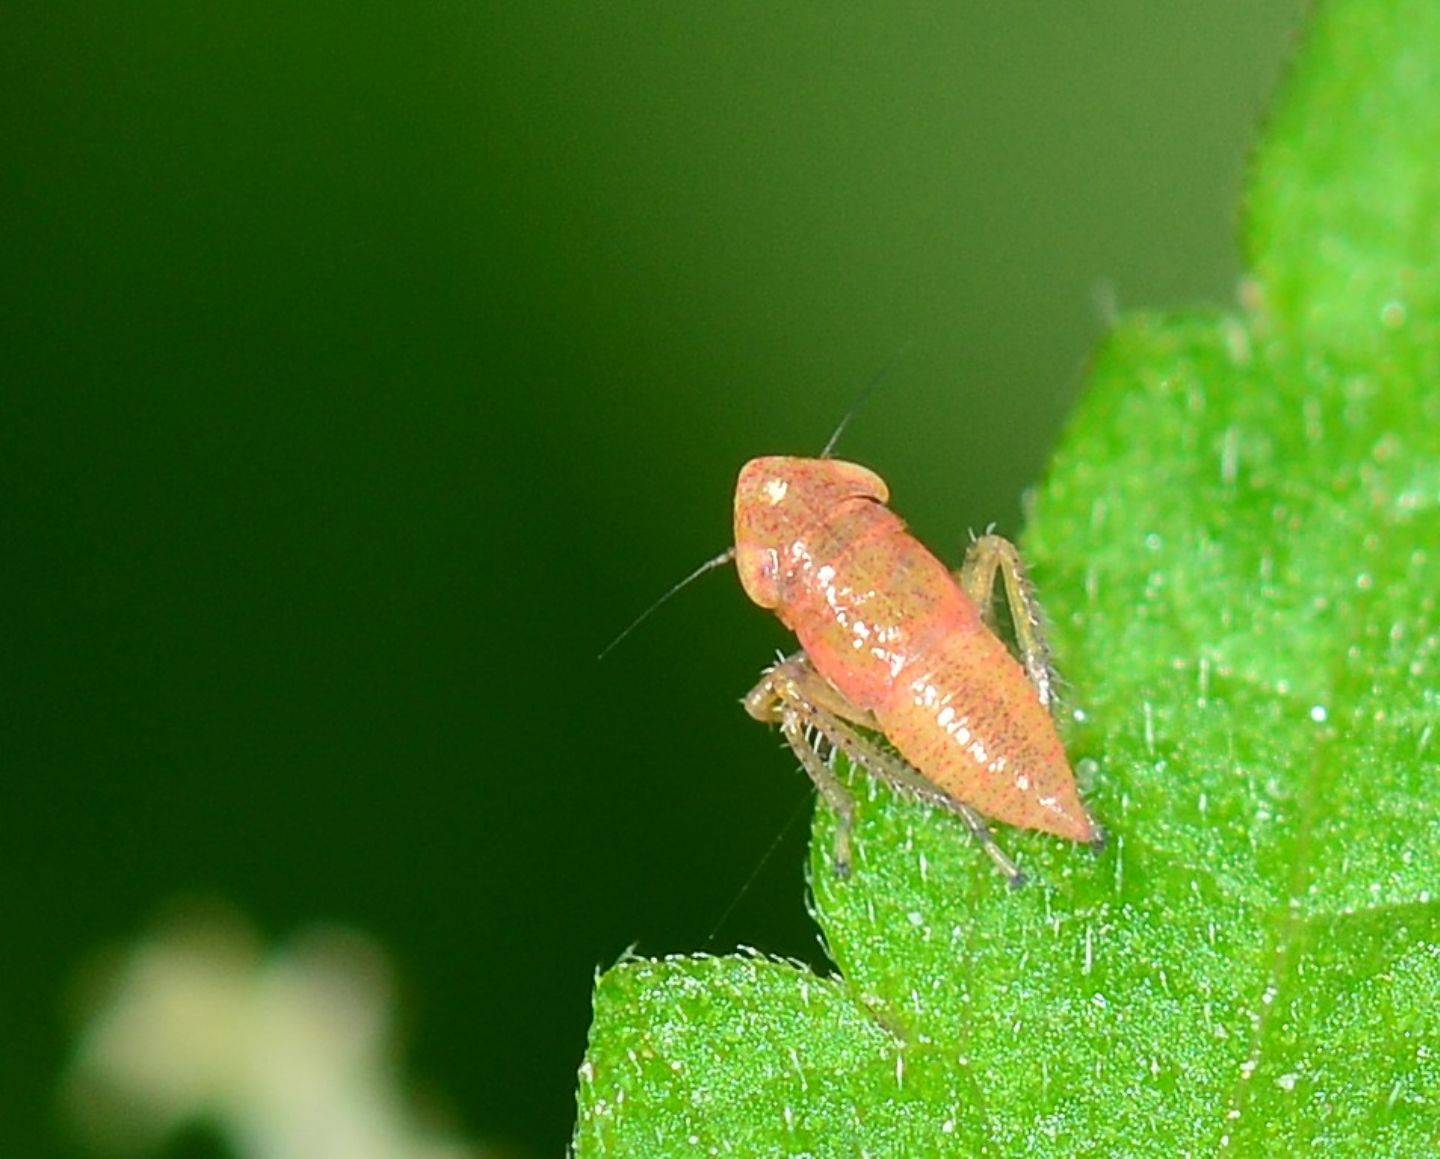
(754, 873)
(709, 565)
(864, 396)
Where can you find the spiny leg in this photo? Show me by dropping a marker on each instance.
(991, 555)
(807, 705)
(775, 700)
(793, 727)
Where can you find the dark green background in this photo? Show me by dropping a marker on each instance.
(367, 367)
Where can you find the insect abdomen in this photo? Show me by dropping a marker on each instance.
(966, 716)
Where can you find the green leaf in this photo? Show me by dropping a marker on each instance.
(1239, 545)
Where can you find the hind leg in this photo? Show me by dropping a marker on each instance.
(817, 721)
(991, 556)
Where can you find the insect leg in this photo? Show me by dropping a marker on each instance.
(805, 703)
(803, 743)
(775, 701)
(991, 555)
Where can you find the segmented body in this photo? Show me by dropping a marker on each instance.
(885, 623)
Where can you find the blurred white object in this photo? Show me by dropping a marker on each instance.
(288, 1056)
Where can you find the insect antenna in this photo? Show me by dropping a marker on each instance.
(800, 807)
(863, 397)
(709, 565)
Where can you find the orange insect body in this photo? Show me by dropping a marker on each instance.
(884, 622)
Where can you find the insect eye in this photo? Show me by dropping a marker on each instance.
(759, 569)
